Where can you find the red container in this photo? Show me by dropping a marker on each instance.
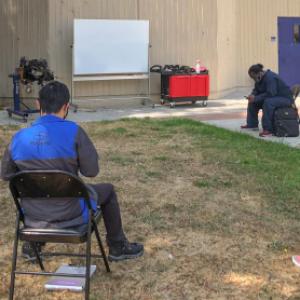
(181, 86)
(199, 85)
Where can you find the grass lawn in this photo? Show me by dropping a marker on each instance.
(217, 211)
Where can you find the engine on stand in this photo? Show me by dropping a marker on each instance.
(28, 72)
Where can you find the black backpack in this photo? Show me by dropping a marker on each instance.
(286, 122)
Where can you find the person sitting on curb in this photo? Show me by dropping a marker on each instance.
(55, 143)
(270, 92)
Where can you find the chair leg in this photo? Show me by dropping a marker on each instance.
(39, 259)
(88, 260)
(101, 247)
(14, 260)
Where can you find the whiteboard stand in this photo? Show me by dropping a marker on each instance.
(86, 78)
(96, 56)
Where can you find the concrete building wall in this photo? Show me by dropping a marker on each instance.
(256, 24)
(227, 45)
(62, 14)
(23, 32)
(226, 35)
(180, 32)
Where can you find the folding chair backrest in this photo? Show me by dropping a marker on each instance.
(47, 184)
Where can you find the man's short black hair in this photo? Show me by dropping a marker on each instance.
(53, 96)
(256, 69)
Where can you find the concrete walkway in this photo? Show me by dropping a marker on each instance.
(228, 113)
(216, 109)
(234, 125)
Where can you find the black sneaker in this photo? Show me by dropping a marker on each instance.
(28, 252)
(125, 250)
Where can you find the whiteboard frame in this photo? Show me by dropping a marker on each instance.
(116, 76)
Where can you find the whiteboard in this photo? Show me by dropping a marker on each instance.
(110, 46)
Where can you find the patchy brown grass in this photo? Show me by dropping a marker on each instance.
(209, 228)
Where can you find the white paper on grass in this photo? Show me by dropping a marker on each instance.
(69, 283)
(110, 46)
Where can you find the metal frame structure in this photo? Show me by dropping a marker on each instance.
(16, 110)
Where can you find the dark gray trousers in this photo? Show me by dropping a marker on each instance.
(108, 201)
(268, 106)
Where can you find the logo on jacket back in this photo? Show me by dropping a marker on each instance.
(40, 139)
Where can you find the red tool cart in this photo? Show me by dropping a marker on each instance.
(179, 87)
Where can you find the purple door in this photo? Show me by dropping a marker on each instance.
(289, 49)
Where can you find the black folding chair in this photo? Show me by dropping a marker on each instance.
(49, 185)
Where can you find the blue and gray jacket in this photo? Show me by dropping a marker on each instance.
(52, 143)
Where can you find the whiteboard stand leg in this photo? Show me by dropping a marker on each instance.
(72, 105)
(149, 79)
(75, 107)
(146, 100)
(149, 91)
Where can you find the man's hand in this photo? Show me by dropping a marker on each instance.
(251, 98)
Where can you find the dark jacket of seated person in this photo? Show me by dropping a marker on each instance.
(270, 92)
(52, 143)
(271, 85)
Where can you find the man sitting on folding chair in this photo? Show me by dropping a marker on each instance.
(55, 143)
